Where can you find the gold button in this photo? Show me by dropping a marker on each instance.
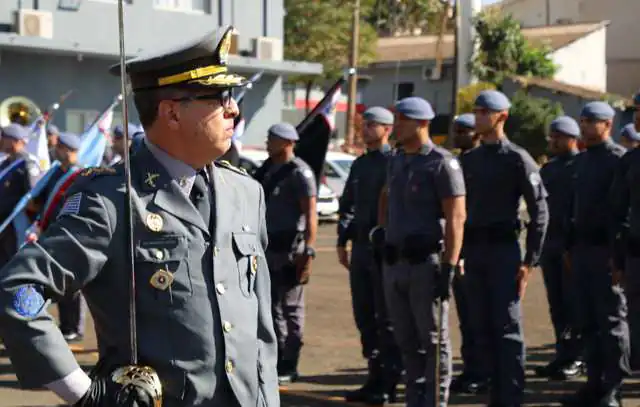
(216, 251)
(159, 254)
(220, 288)
(254, 264)
(228, 366)
(226, 326)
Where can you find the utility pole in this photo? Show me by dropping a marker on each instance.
(353, 74)
(468, 9)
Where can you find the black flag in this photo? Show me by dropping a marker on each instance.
(316, 129)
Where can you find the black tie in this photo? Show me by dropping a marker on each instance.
(201, 196)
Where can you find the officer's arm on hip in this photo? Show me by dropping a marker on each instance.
(267, 344)
(451, 190)
(66, 257)
(535, 196)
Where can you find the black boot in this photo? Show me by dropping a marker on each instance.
(289, 368)
(373, 391)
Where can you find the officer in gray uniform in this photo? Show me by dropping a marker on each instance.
(424, 187)
(290, 192)
(629, 137)
(497, 174)
(19, 172)
(358, 216)
(203, 301)
(602, 303)
(471, 380)
(557, 177)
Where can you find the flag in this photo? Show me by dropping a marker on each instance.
(94, 139)
(38, 146)
(316, 129)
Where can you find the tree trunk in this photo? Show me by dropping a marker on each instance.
(307, 96)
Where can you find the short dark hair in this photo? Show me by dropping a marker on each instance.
(147, 102)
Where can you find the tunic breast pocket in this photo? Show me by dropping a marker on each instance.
(162, 268)
(248, 257)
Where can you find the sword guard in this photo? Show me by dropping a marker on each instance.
(135, 379)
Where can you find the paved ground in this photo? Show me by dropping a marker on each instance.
(331, 360)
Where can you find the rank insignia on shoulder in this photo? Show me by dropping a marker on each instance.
(28, 302)
(161, 279)
(226, 164)
(97, 171)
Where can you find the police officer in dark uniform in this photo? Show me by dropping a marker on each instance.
(18, 174)
(625, 196)
(117, 147)
(290, 192)
(629, 137)
(358, 216)
(202, 289)
(71, 309)
(602, 303)
(52, 140)
(424, 187)
(557, 177)
(497, 174)
(470, 380)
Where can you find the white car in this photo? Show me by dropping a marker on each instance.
(336, 170)
(327, 201)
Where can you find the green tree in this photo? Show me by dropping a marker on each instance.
(503, 50)
(320, 31)
(467, 96)
(529, 120)
(420, 17)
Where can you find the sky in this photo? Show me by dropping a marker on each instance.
(489, 1)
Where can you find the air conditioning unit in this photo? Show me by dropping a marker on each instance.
(35, 23)
(267, 48)
(431, 73)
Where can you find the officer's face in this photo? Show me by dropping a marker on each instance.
(487, 120)
(636, 117)
(559, 143)
(277, 145)
(10, 146)
(594, 131)
(52, 139)
(462, 137)
(65, 154)
(374, 132)
(406, 128)
(118, 145)
(205, 123)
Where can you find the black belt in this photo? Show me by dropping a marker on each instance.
(411, 254)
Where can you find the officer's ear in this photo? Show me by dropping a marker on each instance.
(169, 114)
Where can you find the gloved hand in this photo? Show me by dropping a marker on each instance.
(377, 236)
(444, 278)
(126, 387)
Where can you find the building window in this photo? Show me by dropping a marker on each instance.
(198, 6)
(403, 90)
(78, 120)
(289, 96)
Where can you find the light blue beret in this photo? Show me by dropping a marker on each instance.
(52, 129)
(118, 131)
(493, 100)
(70, 140)
(629, 132)
(467, 120)
(16, 132)
(566, 125)
(379, 115)
(284, 130)
(415, 108)
(598, 111)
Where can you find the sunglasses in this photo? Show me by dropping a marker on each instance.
(224, 98)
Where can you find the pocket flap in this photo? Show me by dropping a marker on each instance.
(246, 243)
(161, 249)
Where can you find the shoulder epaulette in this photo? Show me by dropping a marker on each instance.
(226, 164)
(92, 172)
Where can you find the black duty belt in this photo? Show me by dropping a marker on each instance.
(415, 250)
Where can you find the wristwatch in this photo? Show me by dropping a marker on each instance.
(310, 251)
